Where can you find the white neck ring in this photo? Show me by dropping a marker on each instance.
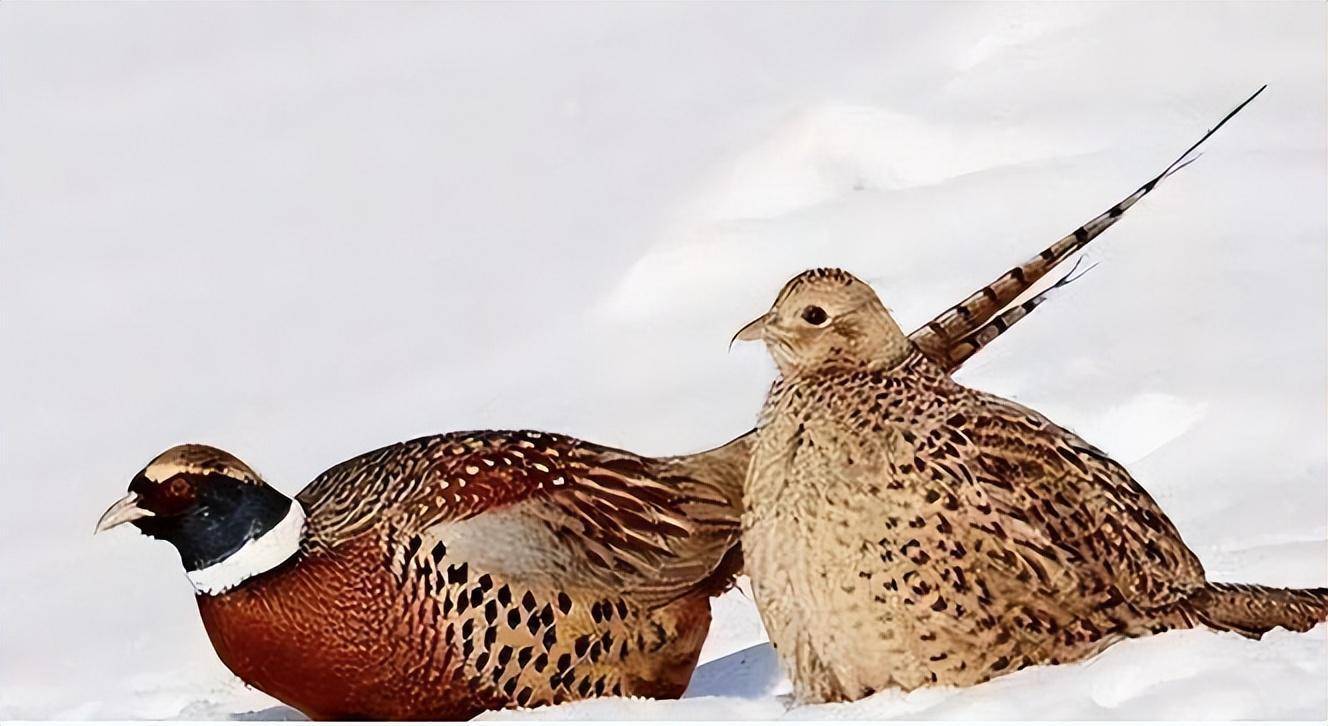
(255, 557)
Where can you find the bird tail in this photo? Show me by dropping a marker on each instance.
(711, 483)
(721, 469)
(957, 328)
(964, 348)
(1252, 610)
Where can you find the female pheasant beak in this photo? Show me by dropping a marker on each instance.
(752, 331)
(123, 511)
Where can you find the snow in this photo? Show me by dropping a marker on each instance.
(300, 232)
(1169, 677)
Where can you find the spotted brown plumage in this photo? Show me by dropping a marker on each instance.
(902, 530)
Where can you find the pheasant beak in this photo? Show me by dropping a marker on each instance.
(752, 331)
(125, 510)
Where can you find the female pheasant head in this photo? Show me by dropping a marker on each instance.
(827, 318)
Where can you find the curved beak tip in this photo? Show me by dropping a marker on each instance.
(125, 510)
(752, 331)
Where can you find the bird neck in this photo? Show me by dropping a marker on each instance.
(862, 345)
(884, 344)
(261, 552)
(889, 351)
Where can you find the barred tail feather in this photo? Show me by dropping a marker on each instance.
(1253, 610)
(963, 320)
(962, 350)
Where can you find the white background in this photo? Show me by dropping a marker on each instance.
(300, 232)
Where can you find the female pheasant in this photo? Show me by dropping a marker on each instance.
(902, 530)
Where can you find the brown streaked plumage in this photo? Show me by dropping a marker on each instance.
(902, 530)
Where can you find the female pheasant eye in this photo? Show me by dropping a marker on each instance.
(814, 315)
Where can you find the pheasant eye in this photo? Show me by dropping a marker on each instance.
(814, 315)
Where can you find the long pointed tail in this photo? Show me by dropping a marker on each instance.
(1253, 610)
(963, 320)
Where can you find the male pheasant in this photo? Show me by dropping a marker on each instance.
(901, 530)
(443, 576)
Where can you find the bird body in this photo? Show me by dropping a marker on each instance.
(902, 530)
(338, 637)
(892, 554)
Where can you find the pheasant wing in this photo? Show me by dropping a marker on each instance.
(540, 507)
(1081, 501)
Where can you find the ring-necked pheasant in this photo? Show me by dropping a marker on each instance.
(447, 575)
(903, 530)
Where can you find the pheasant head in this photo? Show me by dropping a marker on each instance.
(826, 318)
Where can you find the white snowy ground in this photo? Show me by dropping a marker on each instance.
(299, 232)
